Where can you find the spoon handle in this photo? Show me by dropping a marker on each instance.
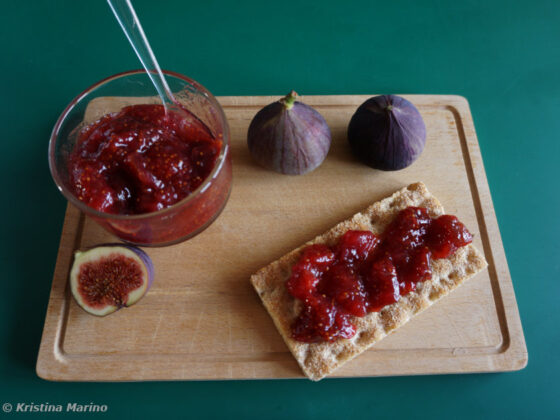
(130, 24)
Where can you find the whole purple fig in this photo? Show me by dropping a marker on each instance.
(387, 132)
(289, 137)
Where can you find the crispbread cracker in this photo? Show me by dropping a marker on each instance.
(318, 360)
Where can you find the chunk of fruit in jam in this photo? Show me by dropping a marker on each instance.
(306, 274)
(317, 258)
(343, 284)
(406, 232)
(382, 284)
(446, 235)
(302, 284)
(363, 273)
(355, 246)
(417, 269)
(322, 322)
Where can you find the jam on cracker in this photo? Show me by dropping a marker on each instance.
(364, 272)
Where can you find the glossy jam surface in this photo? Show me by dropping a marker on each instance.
(364, 272)
(141, 160)
(109, 280)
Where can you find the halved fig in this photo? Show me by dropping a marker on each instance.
(107, 278)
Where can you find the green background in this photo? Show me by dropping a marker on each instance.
(503, 56)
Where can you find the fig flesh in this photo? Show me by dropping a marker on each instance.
(387, 132)
(107, 278)
(289, 137)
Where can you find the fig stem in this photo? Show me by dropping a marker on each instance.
(389, 107)
(289, 99)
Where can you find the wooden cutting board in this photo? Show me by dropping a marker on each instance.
(202, 319)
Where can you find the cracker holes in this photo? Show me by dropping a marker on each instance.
(341, 355)
(435, 293)
(454, 277)
(308, 358)
(364, 337)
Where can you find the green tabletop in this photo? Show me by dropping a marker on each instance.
(504, 57)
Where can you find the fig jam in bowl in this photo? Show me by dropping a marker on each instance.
(148, 176)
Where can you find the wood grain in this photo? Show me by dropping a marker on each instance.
(202, 320)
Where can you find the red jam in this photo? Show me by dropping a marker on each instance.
(141, 160)
(364, 272)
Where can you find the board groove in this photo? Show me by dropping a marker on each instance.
(483, 230)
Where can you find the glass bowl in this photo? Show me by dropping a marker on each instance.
(175, 223)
